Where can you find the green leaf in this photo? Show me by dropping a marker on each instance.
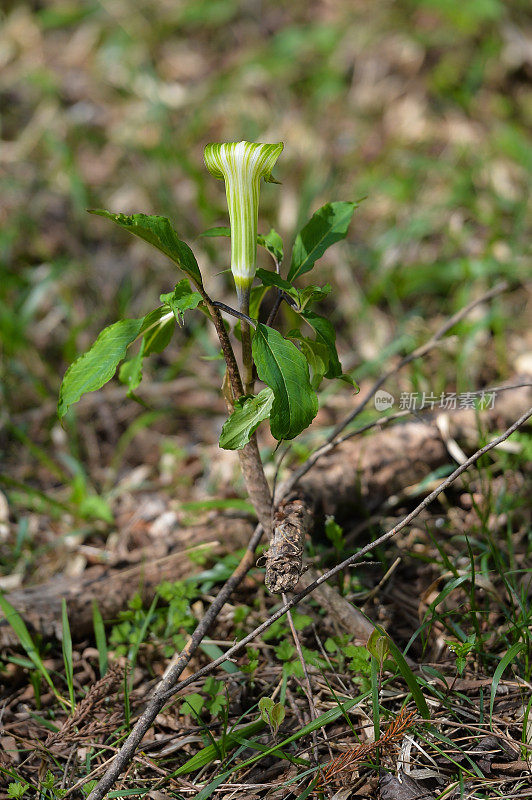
(92, 506)
(248, 414)
(269, 278)
(217, 231)
(94, 368)
(158, 232)
(181, 299)
(157, 328)
(378, 646)
(255, 300)
(328, 225)
(266, 705)
(130, 371)
(334, 533)
(346, 377)
(272, 713)
(317, 357)
(285, 651)
(285, 370)
(326, 335)
(192, 704)
(278, 714)
(273, 244)
(16, 789)
(313, 293)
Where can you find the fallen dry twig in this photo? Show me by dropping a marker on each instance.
(112, 587)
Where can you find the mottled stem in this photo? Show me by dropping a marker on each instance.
(250, 460)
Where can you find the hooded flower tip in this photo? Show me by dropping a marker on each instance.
(242, 165)
(251, 159)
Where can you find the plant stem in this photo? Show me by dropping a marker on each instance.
(227, 348)
(250, 460)
(247, 356)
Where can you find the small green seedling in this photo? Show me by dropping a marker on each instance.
(461, 651)
(272, 713)
(17, 789)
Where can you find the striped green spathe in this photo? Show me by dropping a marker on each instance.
(242, 165)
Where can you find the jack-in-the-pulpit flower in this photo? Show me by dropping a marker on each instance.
(242, 165)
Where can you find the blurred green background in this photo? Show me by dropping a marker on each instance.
(421, 107)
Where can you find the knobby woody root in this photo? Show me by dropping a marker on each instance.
(170, 685)
(292, 521)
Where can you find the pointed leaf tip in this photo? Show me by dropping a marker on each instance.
(328, 225)
(158, 232)
(91, 370)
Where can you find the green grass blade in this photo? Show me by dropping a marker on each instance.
(66, 646)
(408, 675)
(101, 640)
(504, 662)
(310, 788)
(211, 752)
(214, 652)
(263, 747)
(209, 789)
(23, 635)
(375, 697)
(145, 625)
